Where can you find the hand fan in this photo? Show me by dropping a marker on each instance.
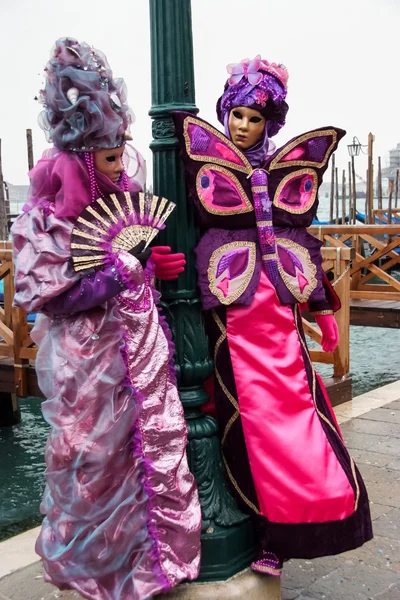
(117, 222)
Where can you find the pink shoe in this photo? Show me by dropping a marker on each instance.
(268, 564)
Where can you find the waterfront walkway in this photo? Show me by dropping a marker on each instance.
(371, 427)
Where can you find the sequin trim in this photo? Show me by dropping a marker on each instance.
(245, 168)
(276, 164)
(239, 187)
(212, 269)
(312, 284)
(259, 188)
(234, 417)
(272, 256)
(317, 313)
(291, 209)
(319, 413)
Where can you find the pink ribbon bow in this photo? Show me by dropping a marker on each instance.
(246, 68)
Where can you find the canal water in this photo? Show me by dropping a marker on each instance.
(374, 362)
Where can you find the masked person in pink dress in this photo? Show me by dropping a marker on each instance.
(282, 448)
(121, 511)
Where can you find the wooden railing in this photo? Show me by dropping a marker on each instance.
(381, 242)
(386, 215)
(338, 263)
(17, 344)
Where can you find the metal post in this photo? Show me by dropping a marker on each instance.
(370, 179)
(227, 539)
(353, 173)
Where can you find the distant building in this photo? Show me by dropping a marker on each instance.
(15, 197)
(389, 172)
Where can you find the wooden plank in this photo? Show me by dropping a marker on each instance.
(29, 353)
(382, 252)
(6, 334)
(340, 389)
(6, 350)
(312, 331)
(374, 318)
(319, 356)
(355, 229)
(364, 295)
(20, 328)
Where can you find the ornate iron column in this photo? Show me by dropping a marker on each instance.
(227, 540)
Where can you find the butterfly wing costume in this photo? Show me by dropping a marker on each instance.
(283, 451)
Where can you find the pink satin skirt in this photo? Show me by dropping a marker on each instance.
(296, 472)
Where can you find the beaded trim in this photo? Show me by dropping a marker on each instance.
(218, 211)
(244, 168)
(291, 209)
(317, 313)
(215, 257)
(276, 164)
(288, 281)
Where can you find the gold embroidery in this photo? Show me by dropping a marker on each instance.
(273, 256)
(319, 413)
(220, 211)
(244, 168)
(288, 280)
(259, 188)
(292, 209)
(276, 164)
(237, 488)
(264, 223)
(234, 416)
(316, 313)
(217, 347)
(215, 257)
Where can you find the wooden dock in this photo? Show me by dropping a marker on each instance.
(374, 292)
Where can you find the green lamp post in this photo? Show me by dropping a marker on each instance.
(227, 538)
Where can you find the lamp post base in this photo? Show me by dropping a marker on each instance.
(246, 584)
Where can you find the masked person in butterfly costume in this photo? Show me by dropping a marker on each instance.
(282, 447)
(122, 515)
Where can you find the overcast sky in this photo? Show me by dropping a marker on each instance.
(342, 55)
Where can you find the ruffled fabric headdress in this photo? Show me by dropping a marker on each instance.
(85, 108)
(260, 85)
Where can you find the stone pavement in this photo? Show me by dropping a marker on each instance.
(373, 571)
(369, 573)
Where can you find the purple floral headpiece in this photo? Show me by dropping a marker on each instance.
(256, 84)
(85, 108)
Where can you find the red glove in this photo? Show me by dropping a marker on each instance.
(168, 266)
(329, 330)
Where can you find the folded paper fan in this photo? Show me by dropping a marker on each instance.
(117, 222)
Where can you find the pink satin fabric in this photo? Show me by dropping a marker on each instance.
(297, 476)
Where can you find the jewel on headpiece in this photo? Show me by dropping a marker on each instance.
(116, 100)
(73, 95)
(262, 97)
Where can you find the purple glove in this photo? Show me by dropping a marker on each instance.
(90, 291)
